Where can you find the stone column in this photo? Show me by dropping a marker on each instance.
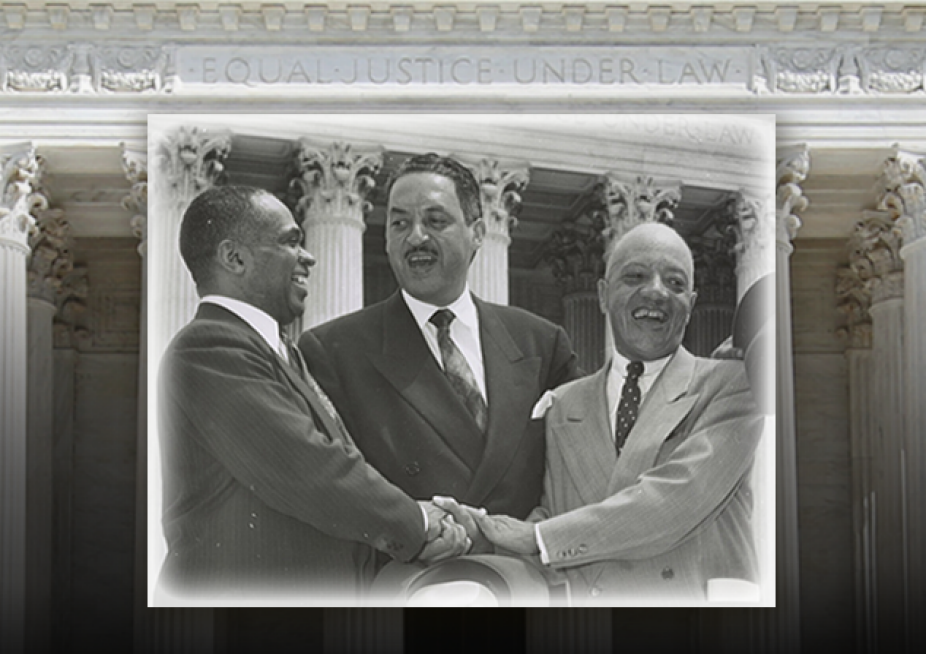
(135, 166)
(905, 199)
(782, 629)
(715, 281)
(880, 244)
(189, 161)
(630, 201)
(854, 301)
(332, 184)
(19, 169)
(71, 334)
(499, 186)
(49, 263)
(575, 254)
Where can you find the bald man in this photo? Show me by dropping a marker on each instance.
(647, 492)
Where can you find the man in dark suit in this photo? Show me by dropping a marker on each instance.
(648, 494)
(436, 385)
(265, 494)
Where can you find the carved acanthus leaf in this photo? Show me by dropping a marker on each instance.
(334, 180)
(500, 185)
(632, 201)
(575, 252)
(193, 160)
(20, 179)
(903, 192)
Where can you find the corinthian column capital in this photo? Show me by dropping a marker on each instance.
(135, 167)
(500, 185)
(903, 192)
(192, 160)
(793, 168)
(748, 227)
(20, 176)
(853, 292)
(631, 201)
(575, 253)
(875, 255)
(333, 180)
(51, 258)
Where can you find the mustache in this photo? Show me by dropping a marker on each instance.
(421, 249)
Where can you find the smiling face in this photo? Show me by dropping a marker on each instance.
(647, 292)
(428, 241)
(276, 280)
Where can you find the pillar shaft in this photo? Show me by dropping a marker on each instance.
(40, 489)
(783, 629)
(19, 169)
(334, 180)
(914, 255)
(499, 187)
(191, 161)
(585, 325)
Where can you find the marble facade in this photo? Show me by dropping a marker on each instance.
(845, 81)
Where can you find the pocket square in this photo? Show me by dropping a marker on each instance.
(543, 405)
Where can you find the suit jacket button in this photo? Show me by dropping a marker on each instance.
(668, 573)
(412, 469)
(595, 591)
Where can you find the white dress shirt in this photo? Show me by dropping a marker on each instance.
(615, 384)
(464, 331)
(269, 330)
(259, 320)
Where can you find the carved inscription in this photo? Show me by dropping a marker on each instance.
(458, 67)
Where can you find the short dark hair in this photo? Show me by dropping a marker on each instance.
(216, 214)
(464, 181)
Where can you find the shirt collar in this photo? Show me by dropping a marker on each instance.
(463, 308)
(650, 368)
(258, 319)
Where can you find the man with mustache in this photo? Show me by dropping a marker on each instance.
(436, 385)
(647, 494)
(266, 497)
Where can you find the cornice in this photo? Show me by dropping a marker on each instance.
(454, 20)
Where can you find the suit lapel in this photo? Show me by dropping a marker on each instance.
(210, 311)
(664, 407)
(407, 364)
(511, 382)
(582, 434)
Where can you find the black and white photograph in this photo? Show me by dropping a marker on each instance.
(461, 360)
(560, 307)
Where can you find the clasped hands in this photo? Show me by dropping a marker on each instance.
(455, 529)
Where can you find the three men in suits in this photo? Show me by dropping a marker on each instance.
(440, 403)
(655, 514)
(265, 493)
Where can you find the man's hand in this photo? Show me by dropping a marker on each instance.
(466, 517)
(508, 533)
(445, 538)
(726, 350)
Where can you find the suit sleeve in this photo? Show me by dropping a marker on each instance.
(564, 364)
(675, 498)
(227, 394)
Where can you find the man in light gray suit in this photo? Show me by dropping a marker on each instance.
(647, 491)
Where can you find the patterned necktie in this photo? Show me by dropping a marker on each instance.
(457, 370)
(299, 364)
(629, 405)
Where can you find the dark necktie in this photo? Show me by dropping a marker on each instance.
(629, 405)
(299, 365)
(457, 370)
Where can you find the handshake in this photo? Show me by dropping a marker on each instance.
(456, 529)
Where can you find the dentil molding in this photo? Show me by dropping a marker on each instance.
(203, 48)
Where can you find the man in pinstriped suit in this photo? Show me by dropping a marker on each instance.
(655, 518)
(265, 494)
